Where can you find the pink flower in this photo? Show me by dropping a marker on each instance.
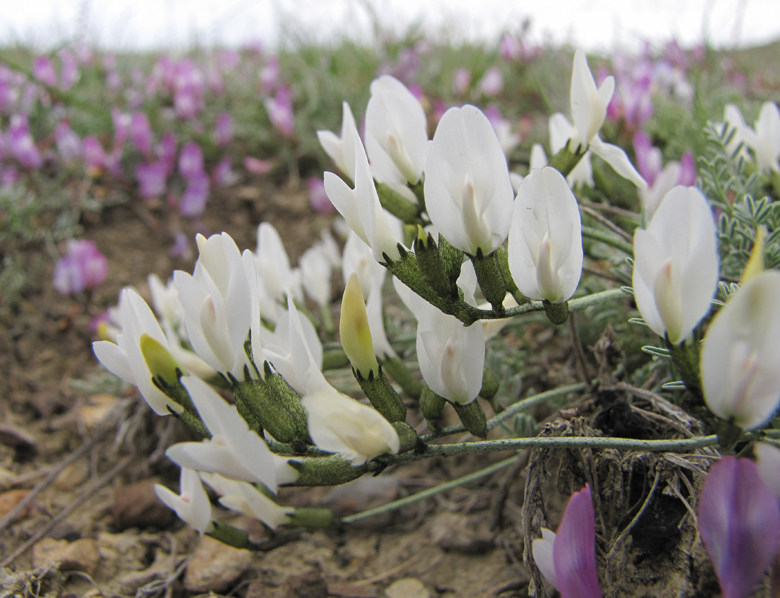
(257, 166)
(223, 175)
(22, 144)
(70, 70)
(82, 267)
(68, 142)
(151, 179)
(492, 82)
(190, 160)
(223, 132)
(94, 154)
(141, 133)
(739, 523)
(568, 559)
(43, 70)
(193, 202)
(461, 80)
(318, 198)
(280, 111)
(166, 151)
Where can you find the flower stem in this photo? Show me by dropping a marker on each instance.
(408, 500)
(597, 235)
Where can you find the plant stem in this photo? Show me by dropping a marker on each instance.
(597, 235)
(408, 500)
(514, 409)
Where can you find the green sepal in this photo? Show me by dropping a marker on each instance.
(408, 437)
(382, 395)
(325, 471)
(311, 518)
(565, 160)
(491, 279)
(557, 313)
(432, 266)
(432, 405)
(397, 204)
(274, 406)
(472, 416)
(490, 385)
(334, 359)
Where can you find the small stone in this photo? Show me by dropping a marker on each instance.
(81, 555)
(17, 438)
(137, 505)
(309, 584)
(11, 498)
(215, 566)
(348, 589)
(409, 587)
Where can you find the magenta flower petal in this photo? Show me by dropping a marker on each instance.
(574, 550)
(739, 523)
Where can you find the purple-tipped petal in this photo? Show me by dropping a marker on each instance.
(739, 523)
(574, 549)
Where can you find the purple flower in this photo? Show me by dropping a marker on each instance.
(43, 70)
(280, 111)
(223, 132)
(8, 176)
(122, 122)
(22, 144)
(223, 175)
(739, 523)
(70, 70)
(190, 160)
(82, 267)
(461, 80)
(318, 198)
(94, 155)
(649, 160)
(151, 179)
(68, 142)
(141, 133)
(181, 246)
(269, 75)
(166, 151)
(568, 559)
(193, 202)
(687, 170)
(492, 82)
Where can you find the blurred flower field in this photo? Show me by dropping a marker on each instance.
(111, 164)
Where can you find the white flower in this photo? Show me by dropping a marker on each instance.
(341, 149)
(468, 194)
(165, 300)
(743, 134)
(361, 208)
(275, 277)
(192, 504)
(340, 424)
(221, 304)
(589, 109)
(371, 275)
(740, 359)
(676, 264)
(561, 130)
(234, 450)
(451, 356)
(545, 239)
(125, 359)
(315, 275)
(396, 133)
(766, 143)
(245, 498)
(282, 346)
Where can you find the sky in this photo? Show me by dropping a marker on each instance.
(178, 24)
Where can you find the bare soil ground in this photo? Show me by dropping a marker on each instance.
(94, 526)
